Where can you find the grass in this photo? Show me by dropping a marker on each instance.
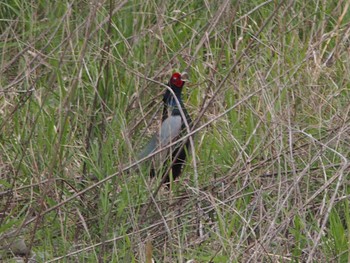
(80, 95)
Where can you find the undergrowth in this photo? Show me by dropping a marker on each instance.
(80, 95)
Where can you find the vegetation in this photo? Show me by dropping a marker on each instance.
(80, 96)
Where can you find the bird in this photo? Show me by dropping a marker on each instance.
(172, 127)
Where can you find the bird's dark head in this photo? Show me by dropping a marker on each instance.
(176, 81)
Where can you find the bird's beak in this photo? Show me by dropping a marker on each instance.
(184, 76)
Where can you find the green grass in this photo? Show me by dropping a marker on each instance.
(77, 98)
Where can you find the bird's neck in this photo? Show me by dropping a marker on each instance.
(171, 106)
(169, 99)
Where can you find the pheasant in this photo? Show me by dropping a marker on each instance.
(172, 128)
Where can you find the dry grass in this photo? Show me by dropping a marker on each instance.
(268, 178)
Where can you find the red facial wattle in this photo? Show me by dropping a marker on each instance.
(176, 80)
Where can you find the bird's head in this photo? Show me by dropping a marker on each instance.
(177, 80)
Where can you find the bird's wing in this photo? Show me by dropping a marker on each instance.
(170, 129)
